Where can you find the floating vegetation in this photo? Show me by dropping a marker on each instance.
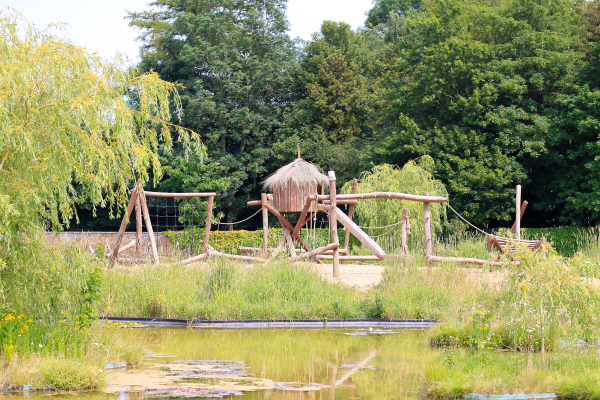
(212, 368)
(188, 392)
(357, 367)
(299, 386)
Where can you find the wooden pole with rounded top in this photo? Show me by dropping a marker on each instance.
(138, 228)
(265, 215)
(518, 214)
(333, 223)
(428, 234)
(350, 212)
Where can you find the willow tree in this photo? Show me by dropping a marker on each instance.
(73, 127)
(415, 177)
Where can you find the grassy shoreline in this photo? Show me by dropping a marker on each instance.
(482, 327)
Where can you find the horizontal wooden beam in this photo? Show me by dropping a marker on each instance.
(194, 259)
(165, 194)
(342, 201)
(350, 258)
(388, 195)
(255, 203)
(134, 260)
(260, 249)
(212, 252)
(462, 260)
(316, 252)
(122, 249)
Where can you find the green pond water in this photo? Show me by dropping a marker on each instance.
(339, 365)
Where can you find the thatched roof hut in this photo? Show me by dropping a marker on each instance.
(292, 183)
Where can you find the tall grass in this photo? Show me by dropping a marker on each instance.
(571, 374)
(227, 290)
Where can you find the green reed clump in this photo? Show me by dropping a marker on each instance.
(415, 291)
(452, 373)
(71, 375)
(228, 290)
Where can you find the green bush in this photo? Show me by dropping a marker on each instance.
(231, 241)
(66, 374)
(566, 240)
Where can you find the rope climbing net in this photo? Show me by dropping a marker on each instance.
(179, 223)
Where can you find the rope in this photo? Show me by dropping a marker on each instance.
(461, 217)
(482, 231)
(380, 227)
(383, 234)
(239, 222)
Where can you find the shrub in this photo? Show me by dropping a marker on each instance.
(66, 374)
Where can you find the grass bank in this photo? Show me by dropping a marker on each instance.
(571, 373)
(223, 289)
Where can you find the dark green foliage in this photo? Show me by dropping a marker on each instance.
(493, 93)
(563, 239)
(334, 115)
(231, 241)
(232, 58)
(497, 93)
(383, 10)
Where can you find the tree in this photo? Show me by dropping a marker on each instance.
(232, 58)
(416, 176)
(68, 131)
(336, 92)
(384, 10)
(476, 86)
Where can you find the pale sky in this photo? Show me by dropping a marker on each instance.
(99, 24)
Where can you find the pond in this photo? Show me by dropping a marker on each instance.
(271, 364)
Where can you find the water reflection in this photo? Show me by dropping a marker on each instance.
(335, 365)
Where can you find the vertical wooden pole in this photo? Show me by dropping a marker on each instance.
(288, 237)
(132, 200)
(149, 229)
(209, 209)
(138, 228)
(428, 236)
(265, 215)
(490, 243)
(333, 223)
(350, 212)
(404, 231)
(518, 214)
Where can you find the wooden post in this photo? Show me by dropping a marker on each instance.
(428, 237)
(276, 251)
(209, 209)
(138, 228)
(149, 229)
(132, 200)
(290, 241)
(518, 214)
(523, 207)
(333, 223)
(288, 225)
(350, 212)
(490, 243)
(265, 215)
(405, 228)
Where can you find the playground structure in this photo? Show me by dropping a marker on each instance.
(298, 189)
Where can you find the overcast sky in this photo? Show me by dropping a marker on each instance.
(99, 24)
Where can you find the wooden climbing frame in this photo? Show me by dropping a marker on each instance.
(138, 200)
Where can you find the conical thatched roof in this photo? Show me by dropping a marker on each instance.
(298, 173)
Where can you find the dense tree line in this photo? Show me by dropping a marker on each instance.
(498, 93)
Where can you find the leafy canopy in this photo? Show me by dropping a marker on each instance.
(415, 177)
(73, 127)
(233, 58)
